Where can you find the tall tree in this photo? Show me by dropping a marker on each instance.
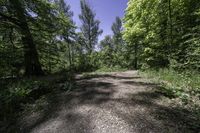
(117, 31)
(166, 31)
(68, 33)
(90, 26)
(107, 48)
(31, 21)
(118, 40)
(19, 19)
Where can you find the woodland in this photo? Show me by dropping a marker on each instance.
(41, 47)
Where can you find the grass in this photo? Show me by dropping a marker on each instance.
(103, 70)
(183, 87)
(111, 69)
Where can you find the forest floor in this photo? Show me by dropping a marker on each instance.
(117, 102)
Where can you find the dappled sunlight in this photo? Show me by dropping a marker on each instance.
(99, 66)
(97, 104)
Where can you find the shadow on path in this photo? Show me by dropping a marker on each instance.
(140, 110)
(114, 76)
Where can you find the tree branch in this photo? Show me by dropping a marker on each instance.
(13, 20)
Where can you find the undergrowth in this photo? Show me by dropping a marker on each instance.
(17, 94)
(183, 87)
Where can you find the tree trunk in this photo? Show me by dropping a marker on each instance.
(31, 60)
(69, 54)
(136, 56)
(69, 51)
(171, 28)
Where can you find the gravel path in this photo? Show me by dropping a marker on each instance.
(119, 102)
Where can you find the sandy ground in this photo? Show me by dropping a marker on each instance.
(120, 102)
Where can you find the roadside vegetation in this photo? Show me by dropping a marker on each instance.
(165, 39)
(183, 85)
(42, 48)
(182, 88)
(28, 94)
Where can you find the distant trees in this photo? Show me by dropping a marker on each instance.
(118, 42)
(107, 51)
(38, 37)
(107, 42)
(112, 47)
(117, 32)
(90, 26)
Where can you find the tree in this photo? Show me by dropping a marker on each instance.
(117, 32)
(107, 42)
(90, 26)
(32, 21)
(107, 51)
(19, 19)
(68, 33)
(118, 41)
(165, 32)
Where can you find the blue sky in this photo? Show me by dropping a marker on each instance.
(106, 12)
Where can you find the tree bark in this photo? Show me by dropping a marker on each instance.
(136, 56)
(171, 28)
(31, 59)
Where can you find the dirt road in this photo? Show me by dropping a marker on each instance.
(120, 102)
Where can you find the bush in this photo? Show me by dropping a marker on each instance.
(15, 93)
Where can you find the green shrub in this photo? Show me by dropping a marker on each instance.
(13, 94)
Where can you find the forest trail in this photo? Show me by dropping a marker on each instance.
(118, 102)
